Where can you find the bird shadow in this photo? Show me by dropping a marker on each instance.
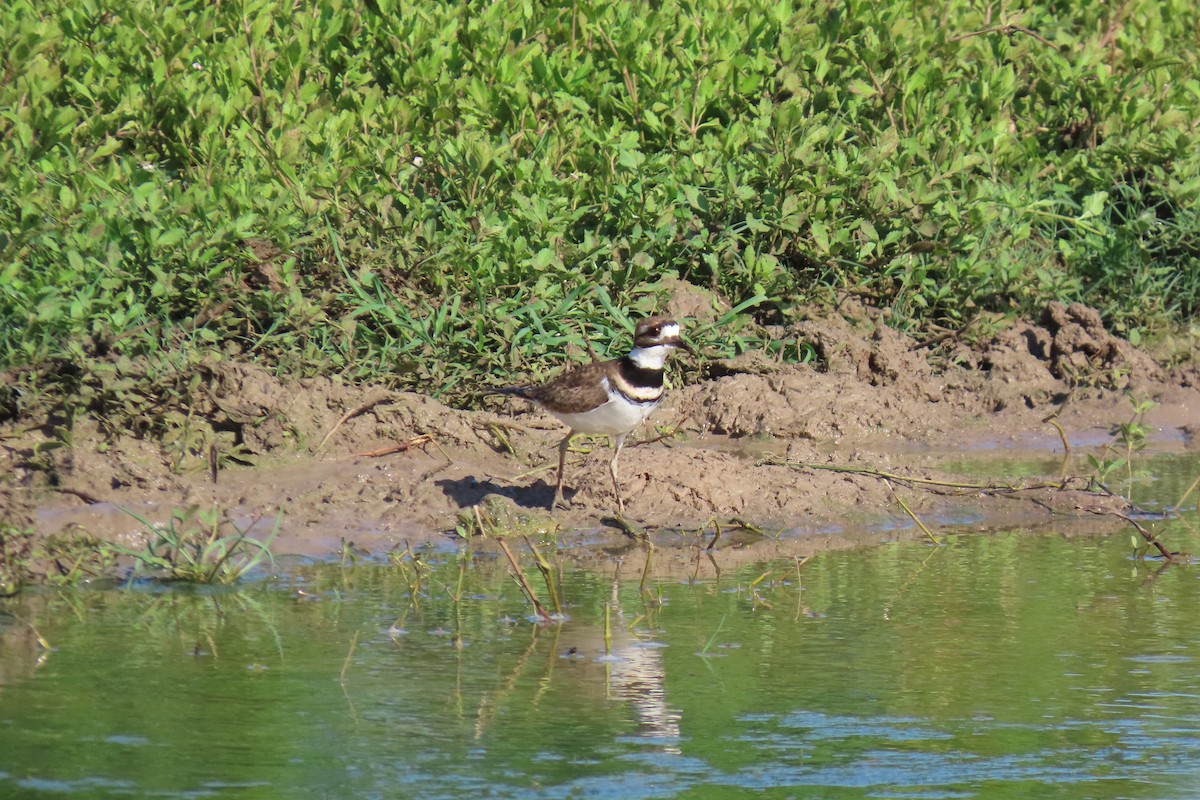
(469, 491)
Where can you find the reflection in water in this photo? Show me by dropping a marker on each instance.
(634, 672)
(22, 650)
(626, 666)
(995, 666)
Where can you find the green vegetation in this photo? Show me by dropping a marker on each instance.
(63, 559)
(1128, 438)
(435, 195)
(191, 548)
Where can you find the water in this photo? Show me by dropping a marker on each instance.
(1000, 665)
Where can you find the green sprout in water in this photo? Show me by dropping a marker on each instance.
(191, 548)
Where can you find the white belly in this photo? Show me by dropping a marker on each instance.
(614, 418)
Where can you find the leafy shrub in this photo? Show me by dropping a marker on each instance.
(434, 195)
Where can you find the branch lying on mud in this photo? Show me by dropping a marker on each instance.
(1147, 534)
(996, 488)
(361, 408)
(991, 487)
(398, 447)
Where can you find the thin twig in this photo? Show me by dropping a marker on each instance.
(398, 447)
(628, 528)
(588, 344)
(547, 575)
(878, 89)
(362, 407)
(520, 478)
(716, 535)
(747, 526)
(646, 568)
(523, 583)
(910, 513)
(871, 472)
(1052, 420)
(86, 497)
(1186, 493)
(1146, 534)
(1007, 30)
(664, 435)
(630, 81)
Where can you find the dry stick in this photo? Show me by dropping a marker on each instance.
(879, 90)
(1062, 434)
(1146, 534)
(1186, 493)
(909, 511)
(630, 81)
(398, 447)
(41, 640)
(629, 529)
(871, 472)
(1007, 30)
(86, 497)
(502, 437)
(747, 526)
(522, 476)
(522, 582)
(587, 343)
(362, 407)
(1050, 420)
(941, 337)
(1114, 25)
(646, 568)
(213, 462)
(666, 434)
(479, 520)
(547, 575)
(716, 534)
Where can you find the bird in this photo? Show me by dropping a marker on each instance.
(609, 397)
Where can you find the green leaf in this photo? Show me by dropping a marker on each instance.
(1093, 205)
(820, 235)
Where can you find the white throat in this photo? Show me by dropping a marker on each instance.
(650, 357)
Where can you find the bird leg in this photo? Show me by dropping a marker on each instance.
(618, 442)
(562, 460)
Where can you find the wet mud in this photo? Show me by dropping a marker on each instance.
(784, 458)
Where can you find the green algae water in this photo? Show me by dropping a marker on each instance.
(1005, 665)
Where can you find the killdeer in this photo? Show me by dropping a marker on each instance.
(609, 397)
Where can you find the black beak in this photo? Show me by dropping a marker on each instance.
(682, 345)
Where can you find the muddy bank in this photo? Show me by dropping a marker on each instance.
(750, 440)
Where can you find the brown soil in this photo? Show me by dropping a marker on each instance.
(881, 403)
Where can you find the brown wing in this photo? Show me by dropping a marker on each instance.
(577, 389)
